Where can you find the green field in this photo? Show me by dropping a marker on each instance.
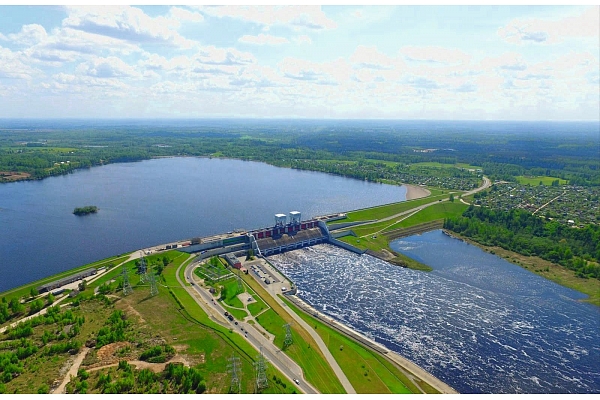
(211, 272)
(304, 351)
(535, 180)
(389, 209)
(367, 371)
(437, 211)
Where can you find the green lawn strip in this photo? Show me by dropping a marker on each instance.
(116, 273)
(304, 351)
(356, 361)
(256, 307)
(237, 313)
(389, 209)
(372, 236)
(231, 290)
(380, 242)
(130, 266)
(535, 180)
(314, 366)
(25, 289)
(435, 212)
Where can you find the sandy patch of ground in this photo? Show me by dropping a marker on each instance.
(136, 313)
(13, 176)
(415, 192)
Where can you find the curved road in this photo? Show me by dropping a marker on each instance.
(216, 313)
(486, 184)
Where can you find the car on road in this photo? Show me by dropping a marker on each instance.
(297, 381)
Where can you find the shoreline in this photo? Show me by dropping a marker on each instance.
(415, 192)
(390, 355)
(534, 265)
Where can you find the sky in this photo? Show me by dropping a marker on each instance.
(345, 62)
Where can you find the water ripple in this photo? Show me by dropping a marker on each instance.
(477, 322)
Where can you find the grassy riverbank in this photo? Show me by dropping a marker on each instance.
(554, 272)
(376, 236)
(367, 370)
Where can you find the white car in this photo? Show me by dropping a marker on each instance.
(297, 382)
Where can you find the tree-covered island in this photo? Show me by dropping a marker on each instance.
(85, 210)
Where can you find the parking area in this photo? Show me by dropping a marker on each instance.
(266, 275)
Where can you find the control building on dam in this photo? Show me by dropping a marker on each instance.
(284, 235)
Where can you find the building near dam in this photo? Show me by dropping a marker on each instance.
(289, 232)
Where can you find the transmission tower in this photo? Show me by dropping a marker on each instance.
(288, 336)
(143, 270)
(260, 366)
(236, 378)
(153, 287)
(127, 289)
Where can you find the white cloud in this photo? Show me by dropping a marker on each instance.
(180, 14)
(13, 65)
(309, 17)
(327, 73)
(545, 31)
(435, 55)
(66, 45)
(110, 67)
(128, 23)
(370, 57)
(29, 35)
(224, 56)
(263, 39)
(302, 39)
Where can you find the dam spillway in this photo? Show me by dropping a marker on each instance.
(283, 236)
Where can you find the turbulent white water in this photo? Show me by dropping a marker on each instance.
(477, 322)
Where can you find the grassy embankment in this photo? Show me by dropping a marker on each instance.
(25, 289)
(373, 236)
(216, 342)
(304, 351)
(172, 315)
(554, 272)
(367, 370)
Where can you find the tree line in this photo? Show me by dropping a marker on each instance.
(520, 231)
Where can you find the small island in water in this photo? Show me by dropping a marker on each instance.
(85, 210)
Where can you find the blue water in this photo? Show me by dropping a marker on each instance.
(157, 201)
(478, 322)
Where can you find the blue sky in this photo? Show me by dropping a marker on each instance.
(400, 62)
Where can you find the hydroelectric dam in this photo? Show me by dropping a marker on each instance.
(286, 234)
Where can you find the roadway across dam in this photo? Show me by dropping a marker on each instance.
(283, 236)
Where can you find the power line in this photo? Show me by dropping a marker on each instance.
(260, 366)
(236, 379)
(127, 289)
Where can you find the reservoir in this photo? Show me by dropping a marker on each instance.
(157, 201)
(477, 322)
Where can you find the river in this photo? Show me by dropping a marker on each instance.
(478, 322)
(157, 201)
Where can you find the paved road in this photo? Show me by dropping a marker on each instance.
(274, 289)
(216, 312)
(486, 184)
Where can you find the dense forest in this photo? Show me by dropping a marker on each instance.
(503, 150)
(524, 233)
